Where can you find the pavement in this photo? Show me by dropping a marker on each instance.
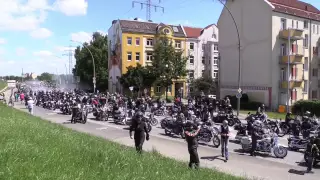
(260, 167)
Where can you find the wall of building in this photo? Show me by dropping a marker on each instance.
(133, 48)
(254, 21)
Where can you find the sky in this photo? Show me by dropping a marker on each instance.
(36, 35)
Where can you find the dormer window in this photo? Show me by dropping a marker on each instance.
(166, 31)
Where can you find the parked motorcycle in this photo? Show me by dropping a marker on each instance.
(209, 133)
(296, 143)
(79, 115)
(174, 127)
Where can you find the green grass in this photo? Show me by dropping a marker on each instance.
(3, 84)
(271, 115)
(31, 148)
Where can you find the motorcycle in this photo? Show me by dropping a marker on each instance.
(209, 133)
(101, 114)
(296, 143)
(268, 144)
(79, 115)
(174, 127)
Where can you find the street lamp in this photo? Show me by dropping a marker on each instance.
(239, 48)
(93, 64)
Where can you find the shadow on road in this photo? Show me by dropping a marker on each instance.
(235, 141)
(212, 158)
(126, 128)
(171, 135)
(298, 172)
(304, 164)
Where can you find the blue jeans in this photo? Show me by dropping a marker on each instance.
(224, 146)
(30, 110)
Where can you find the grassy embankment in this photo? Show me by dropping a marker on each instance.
(31, 148)
(271, 115)
(3, 84)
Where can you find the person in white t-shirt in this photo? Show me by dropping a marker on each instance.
(30, 103)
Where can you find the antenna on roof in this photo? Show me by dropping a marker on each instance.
(148, 9)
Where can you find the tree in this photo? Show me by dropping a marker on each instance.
(205, 84)
(138, 77)
(45, 77)
(167, 64)
(84, 66)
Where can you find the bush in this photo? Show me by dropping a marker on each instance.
(306, 105)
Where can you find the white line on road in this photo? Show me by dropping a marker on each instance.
(102, 128)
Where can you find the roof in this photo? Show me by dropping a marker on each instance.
(192, 32)
(296, 8)
(146, 27)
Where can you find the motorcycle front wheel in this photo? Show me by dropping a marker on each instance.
(280, 152)
(216, 141)
(154, 122)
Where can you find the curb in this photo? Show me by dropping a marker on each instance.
(4, 89)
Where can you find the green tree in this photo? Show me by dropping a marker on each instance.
(138, 77)
(84, 63)
(45, 77)
(168, 63)
(205, 84)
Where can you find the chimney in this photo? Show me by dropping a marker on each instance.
(149, 20)
(136, 19)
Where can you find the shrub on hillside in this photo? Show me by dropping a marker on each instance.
(306, 105)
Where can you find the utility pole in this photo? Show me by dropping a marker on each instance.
(70, 55)
(148, 5)
(22, 75)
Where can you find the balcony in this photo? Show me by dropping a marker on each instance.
(294, 34)
(292, 84)
(296, 56)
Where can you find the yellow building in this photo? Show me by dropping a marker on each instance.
(132, 42)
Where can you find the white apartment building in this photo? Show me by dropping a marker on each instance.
(272, 33)
(202, 49)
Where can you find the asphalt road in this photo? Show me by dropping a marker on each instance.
(263, 167)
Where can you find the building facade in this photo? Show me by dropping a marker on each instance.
(278, 52)
(202, 49)
(132, 42)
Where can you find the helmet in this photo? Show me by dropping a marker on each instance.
(289, 114)
(225, 123)
(307, 113)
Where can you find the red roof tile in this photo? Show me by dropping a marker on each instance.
(296, 8)
(192, 32)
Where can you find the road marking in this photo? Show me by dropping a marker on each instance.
(52, 113)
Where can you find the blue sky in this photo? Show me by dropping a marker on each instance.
(34, 34)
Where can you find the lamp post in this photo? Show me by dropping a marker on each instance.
(239, 56)
(93, 64)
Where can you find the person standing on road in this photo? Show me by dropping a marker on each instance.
(254, 137)
(30, 105)
(192, 132)
(224, 129)
(312, 152)
(140, 131)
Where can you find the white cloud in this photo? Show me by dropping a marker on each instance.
(23, 15)
(72, 7)
(81, 37)
(43, 53)
(20, 51)
(3, 41)
(64, 48)
(102, 32)
(2, 51)
(40, 33)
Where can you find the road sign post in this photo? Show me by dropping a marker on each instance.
(239, 95)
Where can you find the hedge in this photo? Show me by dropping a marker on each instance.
(301, 106)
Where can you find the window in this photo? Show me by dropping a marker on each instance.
(306, 40)
(305, 87)
(149, 56)
(294, 94)
(175, 29)
(297, 24)
(129, 56)
(149, 42)
(214, 36)
(215, 47)
(166, 31)
(192, 46)
(203, 60)
(178, 44)
(138, 41)
(202, 72)
(191, 74)
(202, 47)
(314, 29)
(283, 24)
(305, 24)
(158, 89)
(292, 24)
(215, 60)
(315, 72)
(137, 56)
(283, 50)
(306, 64)
(129, 41)
(215, 74)
(317, 29)
(191, 59)
(283, 74)
(314, 94)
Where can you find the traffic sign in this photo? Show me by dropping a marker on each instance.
(131, 88)
(94, 80)
(239, 95)
(239, 90)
